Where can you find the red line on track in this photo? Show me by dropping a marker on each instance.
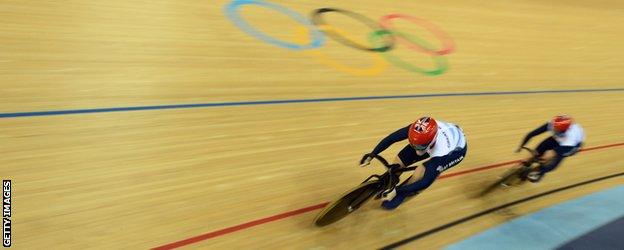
(240, 227)
(477, 169)
(603, 146)
(292, 213)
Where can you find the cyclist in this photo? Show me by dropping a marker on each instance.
(442, 143)
(567, 139)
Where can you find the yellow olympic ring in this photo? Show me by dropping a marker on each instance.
(378, 66)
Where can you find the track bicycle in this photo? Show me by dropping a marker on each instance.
(517, 174)
(374, 186)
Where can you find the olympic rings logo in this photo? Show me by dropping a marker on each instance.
(383, 38)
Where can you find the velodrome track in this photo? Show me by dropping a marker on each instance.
(133, 124)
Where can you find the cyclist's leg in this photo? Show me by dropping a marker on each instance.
(438, 165)
(407, 157)
(553, 155)
(402, 194)
(536, 175)
(557, 156)
(430, 171)
(545, 150)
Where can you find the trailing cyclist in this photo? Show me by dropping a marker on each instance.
(567, 139)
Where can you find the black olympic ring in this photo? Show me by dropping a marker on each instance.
(318, 20)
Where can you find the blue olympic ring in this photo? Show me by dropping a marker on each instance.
(232, 11)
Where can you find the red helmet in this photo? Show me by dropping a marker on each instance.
(422, 133)
(561, 123)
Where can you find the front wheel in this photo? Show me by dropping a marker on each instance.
(349, 202)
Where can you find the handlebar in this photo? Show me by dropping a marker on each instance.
(380, 158)
(393, 168)
(390, 178)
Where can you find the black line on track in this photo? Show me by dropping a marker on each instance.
(477, 215)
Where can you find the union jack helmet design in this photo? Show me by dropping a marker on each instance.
(561, 123)
(422, 133)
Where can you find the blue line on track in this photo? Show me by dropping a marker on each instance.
(268, 102)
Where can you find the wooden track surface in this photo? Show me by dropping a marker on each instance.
(148, 178)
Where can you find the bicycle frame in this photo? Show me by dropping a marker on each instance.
(373, 186)
(390, 178)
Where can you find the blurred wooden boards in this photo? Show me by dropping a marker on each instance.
(77, 54)
(147, 178)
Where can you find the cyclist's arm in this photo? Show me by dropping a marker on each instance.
(397, 136)
(534, 133)
(431, 173)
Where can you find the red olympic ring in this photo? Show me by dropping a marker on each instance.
(447, 43)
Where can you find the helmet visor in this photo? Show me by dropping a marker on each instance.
(419, 147)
